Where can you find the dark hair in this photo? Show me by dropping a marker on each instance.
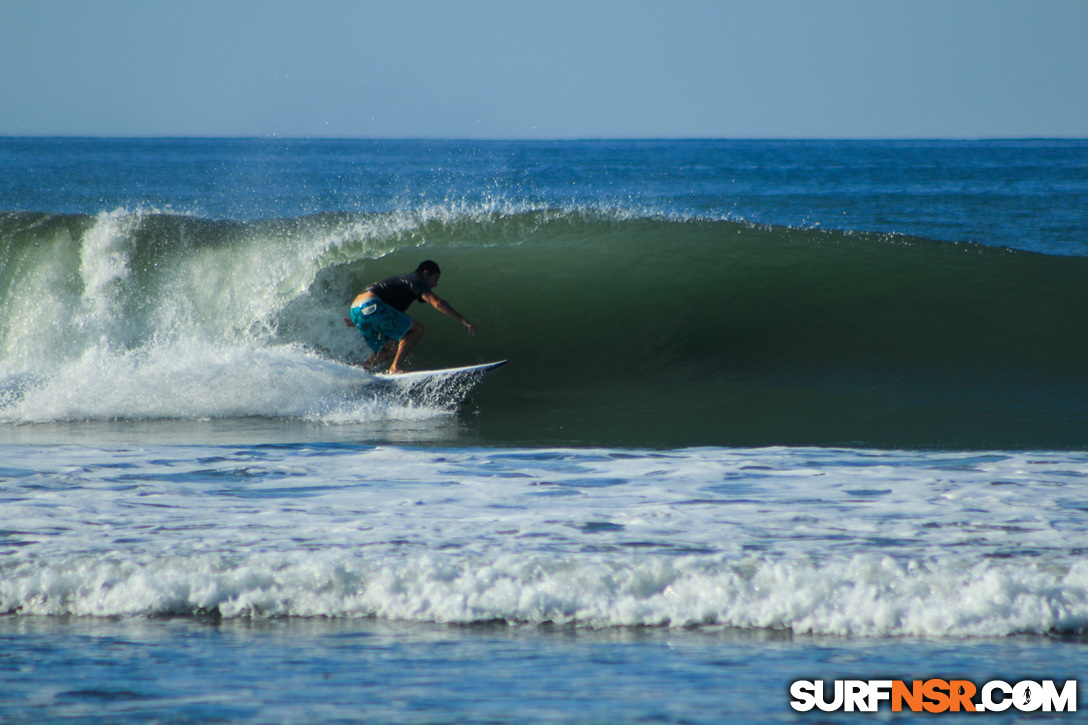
(428, 267)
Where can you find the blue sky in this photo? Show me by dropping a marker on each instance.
(545, 69)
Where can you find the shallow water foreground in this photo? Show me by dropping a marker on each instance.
(184, 669)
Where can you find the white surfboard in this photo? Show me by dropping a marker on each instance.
(470, 372)
(445, 387)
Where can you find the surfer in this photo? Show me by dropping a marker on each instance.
(379, 315)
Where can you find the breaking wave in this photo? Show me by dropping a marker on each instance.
(622, 329)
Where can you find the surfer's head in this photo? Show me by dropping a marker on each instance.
(429, 271)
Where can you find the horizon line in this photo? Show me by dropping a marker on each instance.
(529, 139)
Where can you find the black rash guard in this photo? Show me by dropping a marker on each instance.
(401, 291)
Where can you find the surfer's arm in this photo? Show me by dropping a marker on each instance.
(447, 309)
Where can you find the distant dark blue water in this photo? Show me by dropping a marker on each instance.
(1021, 193)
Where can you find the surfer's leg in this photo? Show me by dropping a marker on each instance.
(406, 344)
(382, 356)
(382, 328)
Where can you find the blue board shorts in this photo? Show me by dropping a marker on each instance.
(379, 322)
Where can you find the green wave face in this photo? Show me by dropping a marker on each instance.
(621, 330)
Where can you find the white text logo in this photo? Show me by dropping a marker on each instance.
(934, 695)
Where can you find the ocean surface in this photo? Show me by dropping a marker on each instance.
(774, 410)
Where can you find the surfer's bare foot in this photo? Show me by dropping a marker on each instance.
(394, 371)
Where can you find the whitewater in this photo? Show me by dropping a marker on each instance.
(584, 537)
(773, 411)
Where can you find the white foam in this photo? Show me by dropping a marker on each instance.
(199, 380)
(859, 543)
(862, 596)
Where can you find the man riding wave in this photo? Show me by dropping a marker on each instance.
(379, 314)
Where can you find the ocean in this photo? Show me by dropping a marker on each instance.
(774, 411)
